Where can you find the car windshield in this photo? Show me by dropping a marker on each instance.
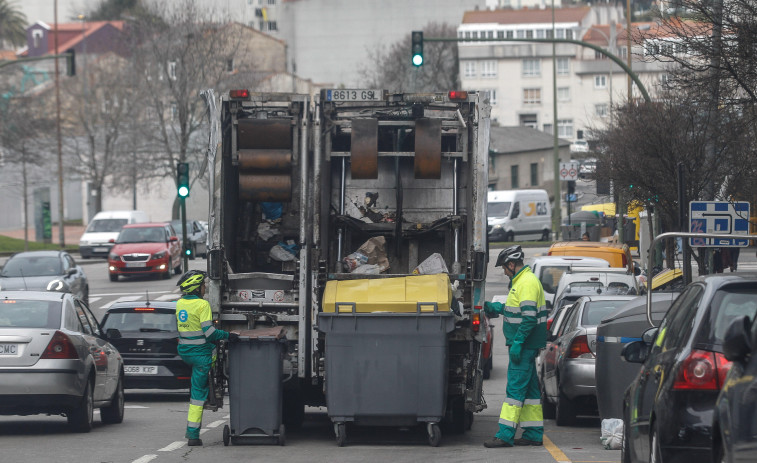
(142, 235)
(176, 224)
(106, 225)
(729, 303)
(596, 311)
(141, 322)
(29, 314)
(25, 266)
(501, 209)
(550, 275)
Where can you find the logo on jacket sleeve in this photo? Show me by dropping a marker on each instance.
(183, 315)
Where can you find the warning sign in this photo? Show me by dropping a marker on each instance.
(568, 171)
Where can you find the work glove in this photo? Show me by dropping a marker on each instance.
(490, 309)
(233, 337)
(515, 350)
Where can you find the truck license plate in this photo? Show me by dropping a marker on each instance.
(354, 95)
(141, 370)
(9, 349)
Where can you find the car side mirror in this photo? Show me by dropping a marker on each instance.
(635, 352)
(71, 271)
(649, 335)
(113, 333)
(736, 344)
(173, 238)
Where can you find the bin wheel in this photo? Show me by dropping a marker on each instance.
(226, 435)
(434, 434)
(341, 434)
(282, 435)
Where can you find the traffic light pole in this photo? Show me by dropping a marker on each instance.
(183, 204)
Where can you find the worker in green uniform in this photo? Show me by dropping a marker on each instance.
(525, 327)
(196, 345)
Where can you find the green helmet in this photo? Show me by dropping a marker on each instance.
(191, 281)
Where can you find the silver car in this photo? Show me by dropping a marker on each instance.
(44, 271)
(567, 364)
(55, 360)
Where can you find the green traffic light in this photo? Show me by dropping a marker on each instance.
(183, 191)
(416, 48)
(417, 60)
(188, 252)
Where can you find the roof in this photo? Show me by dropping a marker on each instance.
(125, 305)
(146, 225)
(520, 139)
(51, 253)
(33, 295)
(89, 29)
(526, 16)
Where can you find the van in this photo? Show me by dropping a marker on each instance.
(105, 226)
(519, 215)
(618, 255)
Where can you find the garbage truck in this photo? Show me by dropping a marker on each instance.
(352, 203)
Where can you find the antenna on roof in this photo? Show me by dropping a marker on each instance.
(147, 298)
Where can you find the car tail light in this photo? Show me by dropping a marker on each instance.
(702, 370)
(458, 95)
(144, 309)
(579, 348)
(60, 347)
(550, 320)
(239, 94)
(476, 320)
(182, 377)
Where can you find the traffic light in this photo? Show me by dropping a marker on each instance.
(71, 62)
(188, 252)
(417, 48)
(182, 179)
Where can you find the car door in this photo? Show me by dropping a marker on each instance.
(672, 337)
(99, 356)
(566, 337)
(113, 360)
(553, 352)
(174, 248)
(72, 276)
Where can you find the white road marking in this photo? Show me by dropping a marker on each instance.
(128, 294)
(204, 430)
(145, 459)
(93, 299)
(215, 424)
(226, 417)
(167, 297)
(121, 299)
(173, 446)
(135, 406)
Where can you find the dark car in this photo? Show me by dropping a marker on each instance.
(197, 237)
(146, 335)
(54, 359)
(735, 424)
(668, 409)
(44, 271)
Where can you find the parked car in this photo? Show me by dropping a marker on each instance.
(44, 271)
(668, 409)
(145, 249)
(197, 237)
(549, 270)
(618, 255)
(601, 281)
(735, 419)
(55, 360)
(568, 364)
(588, 168)
(146, 335)
(104, 227)
(553, 327)
(579, 146)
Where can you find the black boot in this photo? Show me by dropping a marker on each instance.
(194, 442)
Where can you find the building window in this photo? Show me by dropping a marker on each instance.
(489, 68)
(563, 93)
(560, 33)
(600, 81)
(549, 33)
(36, 37)
(174, 112)
(534, 174)
(540, 33)
(681, 48)
(271, 2)
(664, 79)
(599, 55)
(601, 109)
(569, 34)
(272, 26)
(467, 34)
(230, 65)
(565, 128)
(531, 67)
(529, 34)
(171, 71)
(514, 177)
(563, 66)
(531, 96)
(469, 69)
(547, 128)
(624, 52)
(528, 120)
(500, 34)
(521, 34)
(474, 34)
(510, 34)
(490, 34)
(491, 94)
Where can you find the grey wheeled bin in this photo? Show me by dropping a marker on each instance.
(614, 374)
(386, 369)
(255, 387)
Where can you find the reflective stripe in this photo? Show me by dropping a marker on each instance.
(209, 331)
(531, 424)
(186, 334)
(192, 341)
(196, 402)
(206, 323)
(512, 310)
(193, 425)
(513, 321)
(541, 319)
(529, 313)
(532, 402)
(513, 402)
(506, 423)
(533, 303)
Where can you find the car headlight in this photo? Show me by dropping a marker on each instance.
(497, 227)
(112, 256)
(56, 285)
(159, 255)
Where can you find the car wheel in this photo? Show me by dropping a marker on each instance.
(167, 273)
(193, 248)
(177, 269)
(510, 236)
(565, 412)
(625, 449)
(114, 413)
(113, 277)
(80, 418)
(547, 407)
(654, 446)
(488, 368)
(545, 235)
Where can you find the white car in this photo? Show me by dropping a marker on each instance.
(579, 146)
(588, 168)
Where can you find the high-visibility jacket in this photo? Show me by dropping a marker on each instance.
(196, 331)
(525, 311)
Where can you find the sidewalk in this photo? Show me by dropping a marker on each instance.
(71, 234)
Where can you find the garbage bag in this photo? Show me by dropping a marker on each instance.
(271, 211)
(371, 252)
(266, 231)
(283, 252)
(432, 265)
(612, 433)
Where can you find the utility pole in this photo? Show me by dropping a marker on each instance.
(628, 48)
(61, 231)
(557, 210)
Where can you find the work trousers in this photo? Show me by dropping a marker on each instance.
(522, 404)
(198, 393)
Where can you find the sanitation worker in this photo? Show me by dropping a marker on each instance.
(196, 345)
(525, 326)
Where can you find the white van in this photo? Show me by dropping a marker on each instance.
(519, 215)
(105, 226)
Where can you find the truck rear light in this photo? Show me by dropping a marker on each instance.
(702, 370)
(476, 320)
(458, 95)
(60, 347)
(579, 348)
(239, 94)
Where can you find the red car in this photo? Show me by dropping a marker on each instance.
(145, 248)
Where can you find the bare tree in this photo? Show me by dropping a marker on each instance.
(389, 67)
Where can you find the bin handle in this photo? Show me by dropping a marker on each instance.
(351, 307)
(429, 307)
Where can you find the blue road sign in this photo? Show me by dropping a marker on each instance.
(719, 217)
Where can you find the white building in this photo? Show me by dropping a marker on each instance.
(519, 75)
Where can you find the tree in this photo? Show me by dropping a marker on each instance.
(390, 67)
(12, 25)
(110, 10)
